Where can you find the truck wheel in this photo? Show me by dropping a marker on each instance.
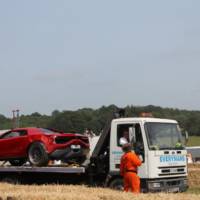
(37, 154)
(17, 162)
(116, 183)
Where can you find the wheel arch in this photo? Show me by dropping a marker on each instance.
(35, 141)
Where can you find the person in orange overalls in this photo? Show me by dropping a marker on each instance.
(128, 169)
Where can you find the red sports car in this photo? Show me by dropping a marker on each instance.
(39, 145)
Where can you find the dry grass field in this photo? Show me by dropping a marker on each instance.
(194, 178)
(70, 192)
(58, 192)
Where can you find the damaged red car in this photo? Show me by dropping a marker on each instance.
(39, 145)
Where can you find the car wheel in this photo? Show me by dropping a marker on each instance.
(17, 162)
(37, 154)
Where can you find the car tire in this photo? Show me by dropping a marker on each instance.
(37, 154)
(17, 162)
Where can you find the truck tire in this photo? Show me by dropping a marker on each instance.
(116, 183)
(17, 162)
(37, 154)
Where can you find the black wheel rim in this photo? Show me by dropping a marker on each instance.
(36, 155)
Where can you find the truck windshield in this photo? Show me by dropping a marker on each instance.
(162, 136)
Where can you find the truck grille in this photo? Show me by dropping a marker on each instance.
(173, 170)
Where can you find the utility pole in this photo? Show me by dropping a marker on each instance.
(17, 122)
(15, 118)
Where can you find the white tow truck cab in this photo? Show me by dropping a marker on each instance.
(159, 144)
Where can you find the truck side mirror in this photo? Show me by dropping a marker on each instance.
(186, 137)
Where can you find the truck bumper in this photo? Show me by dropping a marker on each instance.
(178, 184)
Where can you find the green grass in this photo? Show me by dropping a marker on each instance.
(194, 190)
(193, 141)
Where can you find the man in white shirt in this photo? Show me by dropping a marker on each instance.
(125, 138)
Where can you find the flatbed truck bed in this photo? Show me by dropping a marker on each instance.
(48, 169)
(42, 175)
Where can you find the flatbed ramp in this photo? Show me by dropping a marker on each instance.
(49, 169)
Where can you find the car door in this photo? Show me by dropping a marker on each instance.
(20, 144)
(12, 144)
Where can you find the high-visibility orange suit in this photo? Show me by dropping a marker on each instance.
(128, 169)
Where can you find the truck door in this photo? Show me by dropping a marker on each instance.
(118, 132)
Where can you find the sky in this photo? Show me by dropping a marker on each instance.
(66, 55)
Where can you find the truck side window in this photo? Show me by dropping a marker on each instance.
(138, 145)
(123, 133)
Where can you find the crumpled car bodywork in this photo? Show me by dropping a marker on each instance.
(15, 144)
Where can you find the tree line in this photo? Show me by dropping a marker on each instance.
(95, 119)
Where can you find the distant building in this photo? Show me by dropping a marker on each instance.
(194, 153)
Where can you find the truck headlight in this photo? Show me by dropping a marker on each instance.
(154, 185)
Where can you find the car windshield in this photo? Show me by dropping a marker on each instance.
(163, 136)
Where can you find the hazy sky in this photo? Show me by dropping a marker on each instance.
(73, 54)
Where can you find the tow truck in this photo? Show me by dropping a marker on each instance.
(158, 142)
